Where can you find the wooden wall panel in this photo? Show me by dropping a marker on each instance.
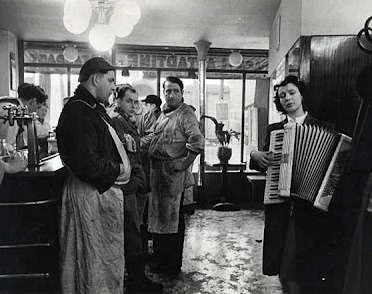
(335, 62)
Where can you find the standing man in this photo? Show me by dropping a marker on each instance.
(144, 119)
(92, 212)
(42, 129)
(42, 125)
(153, 102)
(137, 281)
(176, 142)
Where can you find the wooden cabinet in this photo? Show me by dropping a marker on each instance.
(329, 65)
(29, 216)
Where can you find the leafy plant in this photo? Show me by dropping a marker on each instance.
(223, 137)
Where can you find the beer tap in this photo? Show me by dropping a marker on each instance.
(23, 117)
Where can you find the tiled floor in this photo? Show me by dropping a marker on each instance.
(222, 255)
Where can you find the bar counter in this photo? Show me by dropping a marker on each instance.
(29, 216)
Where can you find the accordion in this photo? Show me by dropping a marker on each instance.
(307, 163)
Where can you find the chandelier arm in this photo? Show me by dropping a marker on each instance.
(367, 28)
(360, 44)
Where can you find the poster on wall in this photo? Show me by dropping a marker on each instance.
(13, 72)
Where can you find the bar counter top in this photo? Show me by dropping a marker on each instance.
(49, 166)
(35, 183)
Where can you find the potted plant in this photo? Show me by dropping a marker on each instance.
(224, 151)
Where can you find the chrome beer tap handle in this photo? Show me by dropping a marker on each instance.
(12, 113)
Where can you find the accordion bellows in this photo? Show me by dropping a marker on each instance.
(307, 163)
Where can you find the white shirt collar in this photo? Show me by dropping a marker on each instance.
(298, 120)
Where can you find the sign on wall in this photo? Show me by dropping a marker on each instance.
(53, 54)
(174, 61)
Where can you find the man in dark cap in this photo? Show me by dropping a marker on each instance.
(92, 212)
(153, 102)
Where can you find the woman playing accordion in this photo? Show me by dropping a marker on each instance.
(296, 236)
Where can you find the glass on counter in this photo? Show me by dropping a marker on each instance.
(52, 142)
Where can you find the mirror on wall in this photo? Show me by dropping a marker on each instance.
(293, 58)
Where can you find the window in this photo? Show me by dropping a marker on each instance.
(146, 67)
(223, 102)
(278, 76)
(190, 86)
(251, 118)
(143, 80)
(54, 82)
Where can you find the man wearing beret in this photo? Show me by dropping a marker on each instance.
(92, 211)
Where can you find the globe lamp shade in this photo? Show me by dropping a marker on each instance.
(101, 37)
(75, 25)
(235, 59)
(121, 26)
(70, 54)
(129, 7)
(77, 15)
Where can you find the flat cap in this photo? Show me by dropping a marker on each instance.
(153, 99)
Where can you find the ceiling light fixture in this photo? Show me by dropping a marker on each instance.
(235, 58)
(70, 53)
(114, 18)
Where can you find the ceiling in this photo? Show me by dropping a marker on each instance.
(243, 24)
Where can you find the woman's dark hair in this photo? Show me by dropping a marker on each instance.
(290, 80)
(173, 80)
(122, 89)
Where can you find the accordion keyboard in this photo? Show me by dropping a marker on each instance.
(273, 171)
